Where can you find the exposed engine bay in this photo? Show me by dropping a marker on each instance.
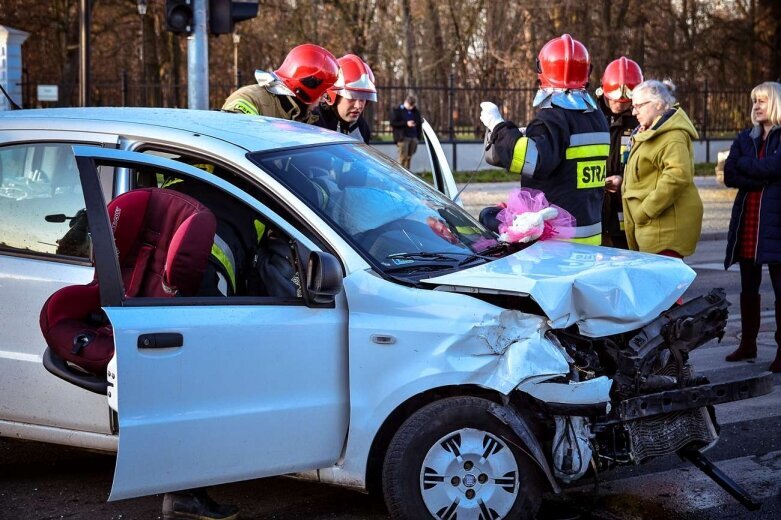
(657, 404)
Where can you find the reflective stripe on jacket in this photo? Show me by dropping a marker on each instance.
(255, 100)
(564, 154)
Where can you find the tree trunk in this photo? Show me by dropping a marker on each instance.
(410, 76)
(438, 54)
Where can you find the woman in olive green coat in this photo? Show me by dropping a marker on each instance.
(662, 207)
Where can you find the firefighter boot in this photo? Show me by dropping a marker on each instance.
(196, 504)
(775, 366)
(749, 324)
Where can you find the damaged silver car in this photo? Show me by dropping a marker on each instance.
(371, 333)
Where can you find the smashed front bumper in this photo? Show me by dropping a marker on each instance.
(666, 422)
(652, 402)
(690, 397)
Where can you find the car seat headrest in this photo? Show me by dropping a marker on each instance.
(163, 240)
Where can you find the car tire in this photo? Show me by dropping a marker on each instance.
(454, 459)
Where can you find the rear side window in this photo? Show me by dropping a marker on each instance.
(41, 201)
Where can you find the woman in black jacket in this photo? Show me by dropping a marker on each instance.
(754, 167)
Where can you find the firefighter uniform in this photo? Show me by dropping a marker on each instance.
(621, 127)
(256, 100)
(563, 153)
(620, 78)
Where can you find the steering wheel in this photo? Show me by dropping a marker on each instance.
(369, 238)
(317, 171)
(12, 192)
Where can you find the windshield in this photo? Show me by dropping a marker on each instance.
(393, 218)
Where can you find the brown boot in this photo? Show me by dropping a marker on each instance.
(775, 366)
(749, 324)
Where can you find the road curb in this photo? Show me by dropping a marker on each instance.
(714, 235)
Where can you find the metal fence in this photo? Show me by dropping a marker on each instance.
(453, 111)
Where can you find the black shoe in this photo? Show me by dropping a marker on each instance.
(196, 504)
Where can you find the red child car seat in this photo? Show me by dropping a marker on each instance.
(163, 240)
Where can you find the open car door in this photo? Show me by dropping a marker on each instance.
(440, 169)
(211, 390)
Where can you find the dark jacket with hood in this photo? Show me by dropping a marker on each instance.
(745, 171)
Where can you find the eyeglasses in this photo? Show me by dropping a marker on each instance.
(638, 106)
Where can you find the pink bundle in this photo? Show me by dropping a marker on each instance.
(528, 216)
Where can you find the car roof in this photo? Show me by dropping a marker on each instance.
(253, 133)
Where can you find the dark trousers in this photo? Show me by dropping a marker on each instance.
(751, 277)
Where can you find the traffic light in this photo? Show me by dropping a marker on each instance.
(223, 14)
(179, 16)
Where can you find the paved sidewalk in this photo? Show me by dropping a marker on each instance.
(716, 199)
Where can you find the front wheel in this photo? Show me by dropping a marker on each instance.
(453, 459)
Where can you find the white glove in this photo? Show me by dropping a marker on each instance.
(490, 115)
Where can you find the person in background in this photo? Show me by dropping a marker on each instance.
(407, 129)
(754, 167)
(564, 149)
(291, 91)
(662, 206)
(614, 97)
(342, 110)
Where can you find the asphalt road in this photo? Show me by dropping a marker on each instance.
(39, 481)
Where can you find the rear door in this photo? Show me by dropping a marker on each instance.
(257, 386)
(39, 178)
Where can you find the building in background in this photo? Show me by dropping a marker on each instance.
(11, 41)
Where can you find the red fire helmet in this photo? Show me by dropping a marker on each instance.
(564, 63)
(358, 80)
(308, 71)
(620, 78)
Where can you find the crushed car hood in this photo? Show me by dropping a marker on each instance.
(602, 290)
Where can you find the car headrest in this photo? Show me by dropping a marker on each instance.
(163, 240)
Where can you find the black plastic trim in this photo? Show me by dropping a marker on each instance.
(691, 397)
(106, 262)
(57, 366)
(160, 340)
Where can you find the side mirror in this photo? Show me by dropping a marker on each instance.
(323, 277)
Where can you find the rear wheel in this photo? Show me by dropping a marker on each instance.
(454, 460)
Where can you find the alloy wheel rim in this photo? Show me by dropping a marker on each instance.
(469, 474)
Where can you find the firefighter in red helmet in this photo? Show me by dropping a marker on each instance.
(288, 93)
(614, 97)
(293, 89)
(342, 110)
(563, 150)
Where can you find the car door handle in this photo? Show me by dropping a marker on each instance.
(160, 340)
